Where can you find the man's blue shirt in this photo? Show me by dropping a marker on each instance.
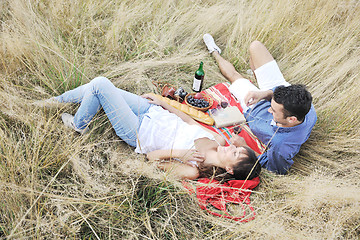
(283, 143)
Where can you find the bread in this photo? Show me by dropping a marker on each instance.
(192, 112)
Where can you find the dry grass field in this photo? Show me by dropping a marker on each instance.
(56, 184)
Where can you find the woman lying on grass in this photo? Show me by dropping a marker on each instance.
(161, 132)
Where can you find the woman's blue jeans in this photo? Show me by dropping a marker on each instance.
(124, 109)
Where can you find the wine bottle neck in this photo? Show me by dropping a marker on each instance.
(201, 67)
(200, 71)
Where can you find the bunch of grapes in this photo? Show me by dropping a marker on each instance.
(200, 103)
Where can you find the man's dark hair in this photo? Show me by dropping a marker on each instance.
(295, 99)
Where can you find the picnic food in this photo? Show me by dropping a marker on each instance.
(198, 96)
(199, 101)
(195, 114)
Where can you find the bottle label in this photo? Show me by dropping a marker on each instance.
(197, 85)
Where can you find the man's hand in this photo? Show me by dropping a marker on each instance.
(253, 97)
(237, 140)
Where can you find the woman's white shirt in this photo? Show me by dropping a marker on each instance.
(161, 129)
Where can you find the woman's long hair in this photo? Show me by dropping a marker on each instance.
(247, 168)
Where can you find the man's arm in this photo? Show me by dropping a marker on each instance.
(253, 97)
(274, 159)
(279, 165)
(279, 159)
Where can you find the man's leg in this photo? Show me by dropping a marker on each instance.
(265, 68)
(240, 86)
(226, 68)
(259, 55)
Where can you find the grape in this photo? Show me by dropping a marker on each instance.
(200, 103)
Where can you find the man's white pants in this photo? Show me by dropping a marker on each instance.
(268, 76)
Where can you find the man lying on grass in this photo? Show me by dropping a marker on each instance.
(279, 114)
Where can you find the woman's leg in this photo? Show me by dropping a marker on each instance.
(123, 109)
(73, 96)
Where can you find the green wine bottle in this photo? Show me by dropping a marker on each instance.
(198, 79)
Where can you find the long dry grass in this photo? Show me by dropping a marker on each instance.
(55, 184)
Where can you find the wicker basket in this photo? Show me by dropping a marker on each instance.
(206, 97)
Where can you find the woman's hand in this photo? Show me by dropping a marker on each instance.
(152, 99)
(183, 169)
(184, 155)
(192, 155)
